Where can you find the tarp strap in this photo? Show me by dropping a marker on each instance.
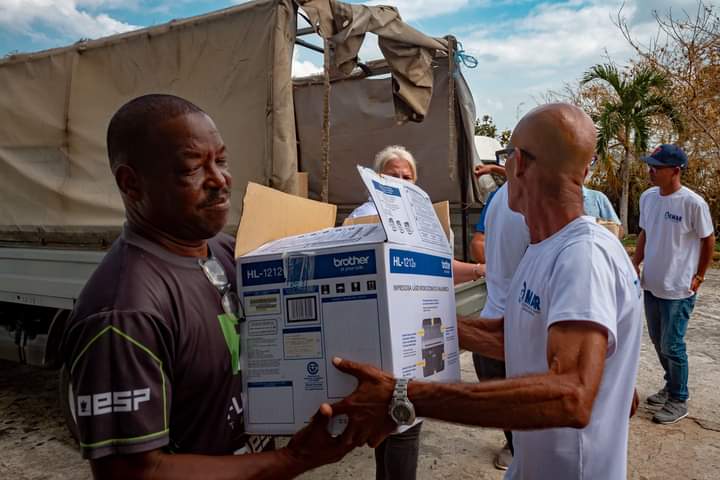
(452, 147)
(325, 144)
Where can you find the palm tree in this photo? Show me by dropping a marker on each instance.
(626, 116)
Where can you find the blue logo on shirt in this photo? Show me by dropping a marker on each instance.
(529, 300)
(673, 218)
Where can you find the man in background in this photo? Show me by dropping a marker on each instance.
(676, 244)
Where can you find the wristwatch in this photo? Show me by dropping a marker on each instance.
(401, 410)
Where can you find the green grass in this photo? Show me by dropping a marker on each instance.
(629, 240)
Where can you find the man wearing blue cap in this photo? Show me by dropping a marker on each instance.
(676, 243)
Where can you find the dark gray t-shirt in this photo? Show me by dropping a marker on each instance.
(148, 361)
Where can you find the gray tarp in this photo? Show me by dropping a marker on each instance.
(362, 123)
(55, 107)
(408, 52)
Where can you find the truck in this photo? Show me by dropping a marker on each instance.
(61, 209)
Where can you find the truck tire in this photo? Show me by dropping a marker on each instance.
(65, 400)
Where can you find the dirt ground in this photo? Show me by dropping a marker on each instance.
(35, 445)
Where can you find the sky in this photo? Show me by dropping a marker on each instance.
(524, 48)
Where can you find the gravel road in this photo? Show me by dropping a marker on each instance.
(35, 445)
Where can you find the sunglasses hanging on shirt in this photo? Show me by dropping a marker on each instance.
(215, 273)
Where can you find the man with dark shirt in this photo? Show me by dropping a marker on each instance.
(152, 346)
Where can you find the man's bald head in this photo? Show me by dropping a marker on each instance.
(561, 136)
(135, 125)
(553, 145)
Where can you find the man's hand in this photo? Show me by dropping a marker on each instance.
(484, 169)
(367, 406)
(695, 284)
(313, 446)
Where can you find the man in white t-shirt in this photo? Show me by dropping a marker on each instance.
(676, 243)
(506, 237)
(570, 336)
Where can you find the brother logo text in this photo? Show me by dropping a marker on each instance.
(350, 261)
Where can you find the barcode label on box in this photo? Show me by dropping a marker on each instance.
(301, 309)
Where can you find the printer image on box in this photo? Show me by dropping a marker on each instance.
(372, 293)
(433, 347)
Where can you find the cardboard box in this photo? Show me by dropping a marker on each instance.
(376, 293)
(612, 226)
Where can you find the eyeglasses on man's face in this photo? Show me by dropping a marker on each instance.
(502, 156)
(215, 273)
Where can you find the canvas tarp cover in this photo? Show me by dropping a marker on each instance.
(408, 52)
(362, 123)
(55, 107)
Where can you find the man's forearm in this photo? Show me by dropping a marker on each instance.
(273, 465)
(477, 246)
(707, 248)
(525, 403)
(482, 336)
(639, 254)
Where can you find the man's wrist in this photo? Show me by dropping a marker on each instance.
(477, 273)
(294, 461)
(699, 278)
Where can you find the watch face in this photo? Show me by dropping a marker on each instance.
(401, 413)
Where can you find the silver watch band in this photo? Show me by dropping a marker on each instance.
(401, 387)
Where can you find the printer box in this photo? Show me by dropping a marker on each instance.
(375, 293)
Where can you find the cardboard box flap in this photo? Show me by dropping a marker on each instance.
(361, 220)
(442, 210)
(269, 214)
(406, 212)
(327, 238)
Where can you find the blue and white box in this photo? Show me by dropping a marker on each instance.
(375, 293)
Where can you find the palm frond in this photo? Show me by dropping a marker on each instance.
(606, 72)
(641, 129)
(608, 124)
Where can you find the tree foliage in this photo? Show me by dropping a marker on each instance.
(486, 127)
(625, 115)
(686, 51)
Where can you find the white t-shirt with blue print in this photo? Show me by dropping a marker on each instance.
(581, 273)
(674, 225)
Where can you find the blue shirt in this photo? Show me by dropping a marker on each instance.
(480, 225)
(597, 205)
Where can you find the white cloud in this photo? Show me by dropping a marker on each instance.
(108, 4)
(553, 36)
(66, 19)
(303, 68)
(418, 9)
(523, 58)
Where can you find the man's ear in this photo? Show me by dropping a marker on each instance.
(128, 181)
(520, 163)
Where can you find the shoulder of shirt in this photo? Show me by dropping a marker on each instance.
(590, 237)
(590, 232)
(694, 196)
(132, 273)
(650, 192)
